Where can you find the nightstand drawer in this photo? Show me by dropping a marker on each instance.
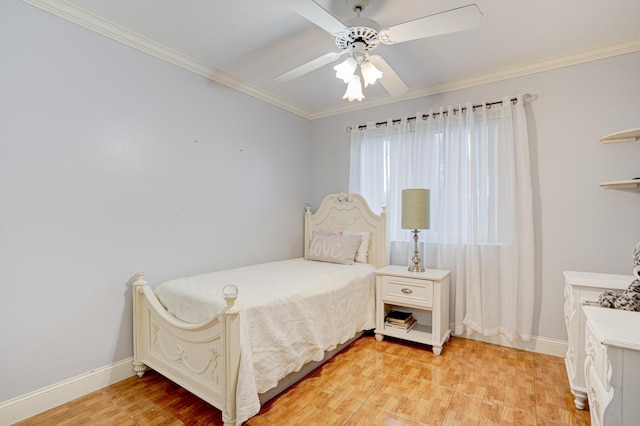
(407, 290)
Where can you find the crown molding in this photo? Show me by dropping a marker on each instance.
(109, 29)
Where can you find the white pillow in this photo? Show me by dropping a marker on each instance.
(335, 232)
(328, 248)
(362, 255)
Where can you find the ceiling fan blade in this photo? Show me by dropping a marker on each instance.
(314, 13)
(454, 20)
(390, 80)
(312, 65)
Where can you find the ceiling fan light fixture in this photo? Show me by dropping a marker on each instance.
(354, 89)
(359, 36)
(346, 69)
(370, 73)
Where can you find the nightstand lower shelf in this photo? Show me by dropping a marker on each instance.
(420, 333)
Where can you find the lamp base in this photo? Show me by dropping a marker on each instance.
(416, 259)
(416, 268)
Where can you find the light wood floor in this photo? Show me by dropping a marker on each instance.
(369, 383)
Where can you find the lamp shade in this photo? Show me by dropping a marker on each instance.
(345, 70)
(415, 208)
(370, 73)
(354, 89)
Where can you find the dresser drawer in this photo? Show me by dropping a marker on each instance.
(407, 290)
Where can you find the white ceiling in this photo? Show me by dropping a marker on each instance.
(246, 43)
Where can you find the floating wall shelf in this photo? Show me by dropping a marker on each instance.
(630, 135)
(621, 184)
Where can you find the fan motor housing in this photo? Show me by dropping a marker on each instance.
(360, 29)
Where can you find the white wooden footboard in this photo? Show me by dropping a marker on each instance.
(202, 358)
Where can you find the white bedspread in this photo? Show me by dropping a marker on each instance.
(291, 312)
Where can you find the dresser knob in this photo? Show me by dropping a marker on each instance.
(406, 291)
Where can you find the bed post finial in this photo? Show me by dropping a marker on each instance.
(230, 294)
(139, 279)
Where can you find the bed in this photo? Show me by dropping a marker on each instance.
(215, 340)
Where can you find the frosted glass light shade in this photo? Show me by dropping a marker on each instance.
(354, 90)
(346, 69)
(370, 73)
(415, 208)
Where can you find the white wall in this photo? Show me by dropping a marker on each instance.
(113, 162)
(579, 225)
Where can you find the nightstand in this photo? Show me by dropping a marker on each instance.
(424, 294)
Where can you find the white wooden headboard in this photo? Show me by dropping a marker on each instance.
(349, 212)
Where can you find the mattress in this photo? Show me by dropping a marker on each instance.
(291, 312)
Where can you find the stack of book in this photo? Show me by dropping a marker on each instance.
(400, 320)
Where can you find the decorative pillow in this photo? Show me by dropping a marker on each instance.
(362, 254)
(336, 232)
(329, 248)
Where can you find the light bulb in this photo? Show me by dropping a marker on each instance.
(354, 89)
(345, 70)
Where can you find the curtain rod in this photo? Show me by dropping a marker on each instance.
(425, 116)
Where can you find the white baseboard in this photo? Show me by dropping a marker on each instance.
(25, 406)
(541, 345)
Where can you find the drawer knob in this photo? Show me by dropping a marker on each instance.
(406, 291)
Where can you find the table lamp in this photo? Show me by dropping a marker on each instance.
(415, 215)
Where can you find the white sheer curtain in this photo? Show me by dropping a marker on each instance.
(476, 163)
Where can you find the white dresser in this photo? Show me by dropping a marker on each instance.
(580, 288)
(612, 366)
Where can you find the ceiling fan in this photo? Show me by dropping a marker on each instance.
(360, 35)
